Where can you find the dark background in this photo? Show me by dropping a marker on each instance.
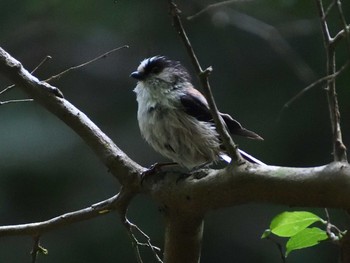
(47, 170)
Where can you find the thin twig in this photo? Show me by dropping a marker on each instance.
(279, 247)
(328, 10)
(122, 209)
(203, 77)
(324, 26)
(35, 69)
(41, 63)
(104, 55)
(213, 6)
(7, 88)
(35, 248)
(312, 85)
(339, 149)
(344, 23)
(136, 244)
(15, 101)
(340, 35)
(334, 238)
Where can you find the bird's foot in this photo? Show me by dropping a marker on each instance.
(154, 169)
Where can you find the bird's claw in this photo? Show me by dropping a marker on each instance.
(154, 169)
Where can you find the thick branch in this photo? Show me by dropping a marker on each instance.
(345, 246)
(183, 237)
(120, 165)
(323, 186)
(185, 201)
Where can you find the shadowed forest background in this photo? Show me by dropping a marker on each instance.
(47, 170)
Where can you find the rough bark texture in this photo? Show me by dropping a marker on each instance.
(183, 237)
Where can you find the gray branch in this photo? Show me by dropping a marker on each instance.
(185, 201)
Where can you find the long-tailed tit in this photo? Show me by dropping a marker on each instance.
(174, 117)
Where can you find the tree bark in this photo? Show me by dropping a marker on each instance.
(183, 237)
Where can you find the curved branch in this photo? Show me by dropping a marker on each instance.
(122, 199)
(119, 164)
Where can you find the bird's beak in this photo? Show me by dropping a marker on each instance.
(137, 75)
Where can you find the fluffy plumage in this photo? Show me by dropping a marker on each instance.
(174, 118)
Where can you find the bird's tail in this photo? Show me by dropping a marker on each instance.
(245, 155)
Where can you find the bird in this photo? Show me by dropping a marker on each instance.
(175, 119)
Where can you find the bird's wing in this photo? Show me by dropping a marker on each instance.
(195, 105)
(236, 128)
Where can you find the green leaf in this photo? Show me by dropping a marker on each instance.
(287, 224)
(307, 237)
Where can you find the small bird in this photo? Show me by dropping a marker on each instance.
(174, 117)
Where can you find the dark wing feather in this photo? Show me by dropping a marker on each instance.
(196, 106)
(236, 128)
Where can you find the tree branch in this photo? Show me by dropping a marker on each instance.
(322, 186)
(104, 55)
(314, 84)
(136, 244)
(183, 237)
(230, 147)
(185, 201)
(14, 101)
(119, 164)
(95, 210)
(339, 149)
(346, 28)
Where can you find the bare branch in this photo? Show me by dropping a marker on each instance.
(312, 85)
(203, 77)
(136, 244)
(344, 23)
(119, 164)
(41, 63)
(104, 55)
(307, 187)
(117, 202)
(36, 68)
(324, 26)
(130, 227)
(39, 228)
(7, 89)
(15, 101)
(339, 149)
(340, 35)
(37, 249)
(328, 10)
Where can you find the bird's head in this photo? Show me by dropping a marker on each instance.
(160, 69)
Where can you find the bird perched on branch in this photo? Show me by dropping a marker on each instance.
(174, 117)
